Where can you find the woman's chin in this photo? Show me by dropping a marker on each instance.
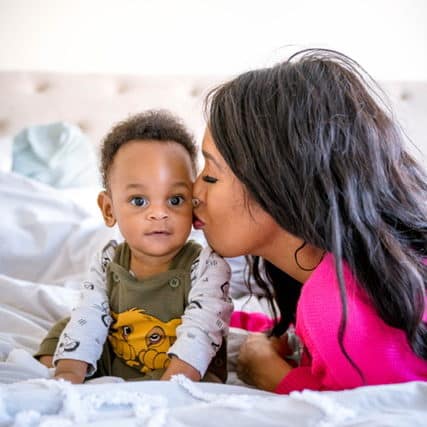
(222, 250)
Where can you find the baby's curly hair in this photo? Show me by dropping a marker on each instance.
(157, 125)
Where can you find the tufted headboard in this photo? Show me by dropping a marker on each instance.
(96, 101)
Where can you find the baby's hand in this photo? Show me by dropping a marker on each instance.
(178, 366)
(46, 361)
(71, 370)
(69, 376)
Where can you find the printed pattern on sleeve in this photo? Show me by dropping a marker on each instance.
(84, 336)
(207, 316)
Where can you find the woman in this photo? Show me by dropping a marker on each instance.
(306, 171)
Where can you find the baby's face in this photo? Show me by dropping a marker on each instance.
(151, 186)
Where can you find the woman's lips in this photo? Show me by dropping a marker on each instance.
(197, 223)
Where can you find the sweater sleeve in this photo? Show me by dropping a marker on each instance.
(299, 379)
(207, 316)
(84, 336)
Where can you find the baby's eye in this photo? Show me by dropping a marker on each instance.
(139, 201)
(176, 200)
(209, 179)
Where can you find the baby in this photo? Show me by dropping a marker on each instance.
(155, 305)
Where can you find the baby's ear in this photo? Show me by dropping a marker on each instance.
(106, 205)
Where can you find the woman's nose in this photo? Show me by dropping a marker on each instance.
(197, 193)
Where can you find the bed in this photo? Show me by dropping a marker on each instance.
(48, 233)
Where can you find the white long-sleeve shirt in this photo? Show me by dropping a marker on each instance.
(198, 337)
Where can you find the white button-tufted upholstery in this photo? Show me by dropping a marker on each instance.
(95, 101)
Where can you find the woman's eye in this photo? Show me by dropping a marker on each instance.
(139, 201)
(176, 200)
(209, 179)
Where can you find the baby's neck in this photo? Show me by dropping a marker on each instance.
(148, 266)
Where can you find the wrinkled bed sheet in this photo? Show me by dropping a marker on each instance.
(183, 403)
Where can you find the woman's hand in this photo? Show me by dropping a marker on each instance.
(260, 362)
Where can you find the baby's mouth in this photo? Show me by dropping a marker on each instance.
(158, 233)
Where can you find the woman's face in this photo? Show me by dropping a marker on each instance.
(232, 223)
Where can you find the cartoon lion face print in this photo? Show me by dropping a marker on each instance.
(142, 340)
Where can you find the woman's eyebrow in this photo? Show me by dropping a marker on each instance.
(212, 159)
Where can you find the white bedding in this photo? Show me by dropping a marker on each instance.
(47, 237)
(181, 403)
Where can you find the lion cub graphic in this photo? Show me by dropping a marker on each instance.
(141, 340)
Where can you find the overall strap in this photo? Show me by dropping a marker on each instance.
(122, 255)
(184, 259)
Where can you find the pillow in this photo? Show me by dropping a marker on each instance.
(57, 154)
(6, 153)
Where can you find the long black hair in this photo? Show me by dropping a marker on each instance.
(316, 147)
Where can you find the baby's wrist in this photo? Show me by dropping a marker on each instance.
(178, 366)
(71, 370)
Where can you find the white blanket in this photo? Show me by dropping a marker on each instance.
(46, 242)
(47, 235)
(182, 403)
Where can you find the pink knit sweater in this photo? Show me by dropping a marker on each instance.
(380, 351)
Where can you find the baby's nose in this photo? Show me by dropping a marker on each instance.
(158, 212)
